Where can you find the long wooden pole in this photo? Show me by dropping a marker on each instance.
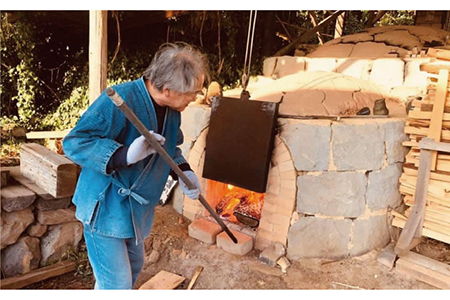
(120, 103)
(97, 53)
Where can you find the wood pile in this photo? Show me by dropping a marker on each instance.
(430, 117)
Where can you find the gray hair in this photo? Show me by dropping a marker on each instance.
(179, 67)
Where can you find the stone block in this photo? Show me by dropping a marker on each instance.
(204, 231)
(332, 194)
(194, 119)
(269, 66)
(22, 257)
(37, 230)
(358, 145)
(314, 237)
(243, 246)
(413, 76)
(312, 155)
(383, 188)
(270, 256)
(395, 136)
(52, 204)
(58, 216)
(59, 239)
(358, 68)
(13, 224)
(388, 72)
(285, 65)
(369, 234)
(321, 64)
(16, 197)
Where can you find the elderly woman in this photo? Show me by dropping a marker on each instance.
(122, 176)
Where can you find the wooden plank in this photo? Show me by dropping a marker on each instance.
(437, 114)
(47, 134)
(426, 115)
(15, 173)
(98, 59)
(436, 146)
(194, 278)
(52, 172)
(439, 53)
(435, 66)
(413, 223)
(163, 281)
(37, 275)
(425, 269)
(398, 222)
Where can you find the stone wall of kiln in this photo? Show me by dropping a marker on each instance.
(347, 178)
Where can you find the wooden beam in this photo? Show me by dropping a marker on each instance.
(37, 275)
(314, 21)
(307, 35)
(97, 53)
(339, 28)
(437, 115)
(429, 144)
(54, 173)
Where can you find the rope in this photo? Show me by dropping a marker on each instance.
(248, 52)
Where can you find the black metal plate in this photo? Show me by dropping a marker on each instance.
(240, 142)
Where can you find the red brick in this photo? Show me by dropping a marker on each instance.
(204, 231)
(243, 246)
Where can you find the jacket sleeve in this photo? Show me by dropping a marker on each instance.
(91, 143)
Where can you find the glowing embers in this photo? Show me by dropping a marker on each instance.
(235, 204)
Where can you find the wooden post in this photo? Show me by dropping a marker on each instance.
(339, 29)
(98, 34)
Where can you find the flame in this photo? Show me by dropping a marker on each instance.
(231, 199)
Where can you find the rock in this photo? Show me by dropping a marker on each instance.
(279, 248)
(59, 216)
(313, 155)
(363, 111)
(13, 224)
(22, 257)
(383, 188)
(153, 257)
(37, 230)
(19, 132)
(271, 254)
(284, 263)
(16, 197)
(332, 242)
(52, 204)
(59, 239)
(332, 194)
(380, 107)
(369, 234)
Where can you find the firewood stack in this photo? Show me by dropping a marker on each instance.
(430, 117)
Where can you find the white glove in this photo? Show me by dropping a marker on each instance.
(194, 193)
(140, 148)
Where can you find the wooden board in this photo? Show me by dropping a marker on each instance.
(47, 134)
(52, 172)
(435, 131)
(37, 275)
(425, 269)
(15, 173)
(413, 226)
(163, 281)
(398, 222)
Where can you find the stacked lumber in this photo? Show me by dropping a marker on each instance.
(430, 117)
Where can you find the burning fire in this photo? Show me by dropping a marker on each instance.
(240, 205)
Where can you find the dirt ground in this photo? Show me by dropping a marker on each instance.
(181, 254)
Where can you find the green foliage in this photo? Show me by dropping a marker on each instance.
(44, 65)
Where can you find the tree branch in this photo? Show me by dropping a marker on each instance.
(307, 35)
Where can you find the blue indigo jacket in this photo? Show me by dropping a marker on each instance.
(120, 204)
